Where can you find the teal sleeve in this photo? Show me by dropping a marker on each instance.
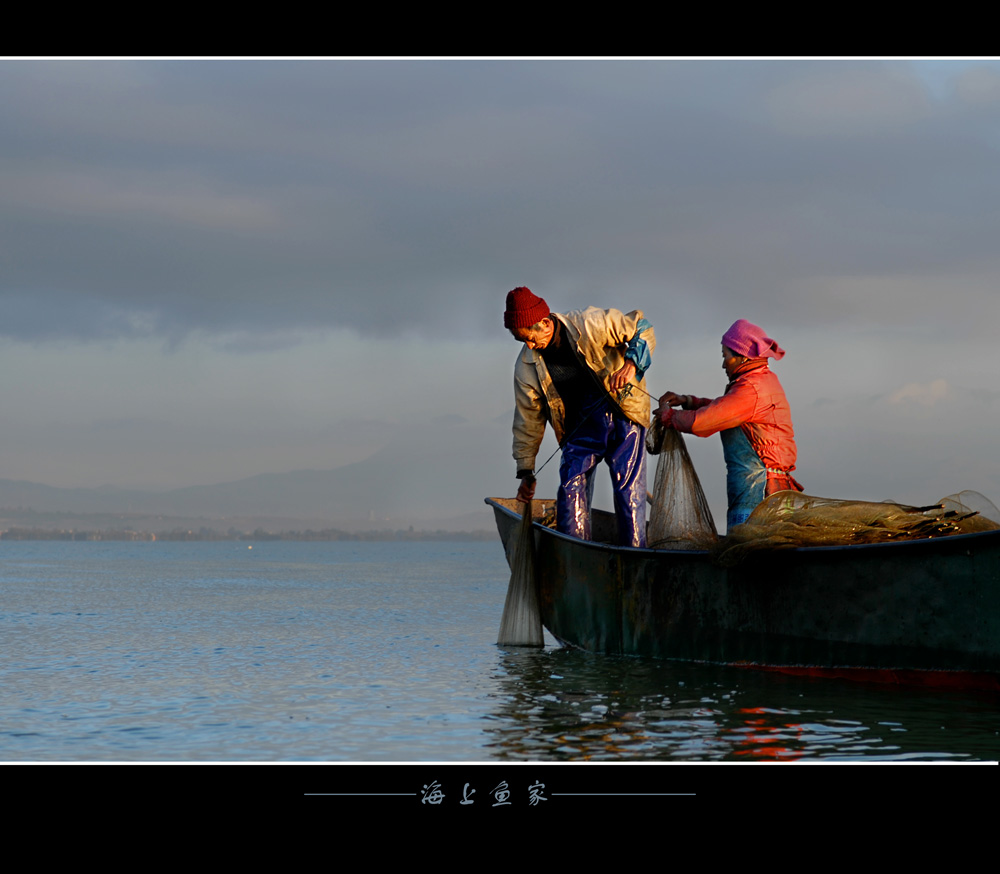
(637, 350)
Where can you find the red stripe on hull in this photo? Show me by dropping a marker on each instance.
(899, 677)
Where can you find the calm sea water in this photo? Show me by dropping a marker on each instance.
(385, 652)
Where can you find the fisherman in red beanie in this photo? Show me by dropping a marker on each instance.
(577, 371)
(752, 417)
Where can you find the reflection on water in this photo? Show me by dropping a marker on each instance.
(565, 705)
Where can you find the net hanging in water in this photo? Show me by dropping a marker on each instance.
(521, 623)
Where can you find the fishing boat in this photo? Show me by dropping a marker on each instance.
(915, 611)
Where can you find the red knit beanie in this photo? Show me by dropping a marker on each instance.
(524, 309)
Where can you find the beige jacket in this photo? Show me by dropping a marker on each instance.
(600, 337)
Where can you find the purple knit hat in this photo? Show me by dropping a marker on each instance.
(749, 340)
(524, 309)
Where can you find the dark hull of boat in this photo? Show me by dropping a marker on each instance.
(915, 607)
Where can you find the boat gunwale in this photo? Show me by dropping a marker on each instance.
(921, 542)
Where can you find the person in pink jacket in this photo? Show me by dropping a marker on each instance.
(752, 417)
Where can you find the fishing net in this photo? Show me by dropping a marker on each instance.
(790, 519)
(679, 517)
(521, 624)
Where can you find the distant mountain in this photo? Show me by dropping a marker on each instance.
(429, 476)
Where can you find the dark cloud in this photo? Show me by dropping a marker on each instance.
(395, 197)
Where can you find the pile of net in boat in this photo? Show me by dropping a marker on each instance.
(790, 519)
(679, 517)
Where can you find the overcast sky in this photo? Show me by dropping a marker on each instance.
(213, 269)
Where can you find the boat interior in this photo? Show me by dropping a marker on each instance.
(602, 523)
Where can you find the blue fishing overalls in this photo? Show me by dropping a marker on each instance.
(746, 476)
(604, 434)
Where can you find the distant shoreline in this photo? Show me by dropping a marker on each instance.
(325, 535)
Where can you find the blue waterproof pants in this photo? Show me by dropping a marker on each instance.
(746, 476)
(609, 436)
